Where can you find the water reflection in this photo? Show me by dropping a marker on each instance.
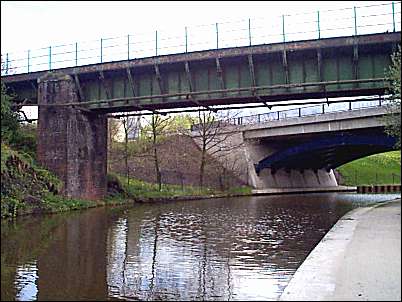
(222, 249)
(25, 282)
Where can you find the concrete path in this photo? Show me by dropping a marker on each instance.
(359, 259)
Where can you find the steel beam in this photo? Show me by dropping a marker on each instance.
(78, 88)
(219, 72)
(103, 81)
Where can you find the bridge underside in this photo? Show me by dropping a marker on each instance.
(328, 153)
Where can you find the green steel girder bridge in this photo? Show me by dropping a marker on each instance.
(268, 74)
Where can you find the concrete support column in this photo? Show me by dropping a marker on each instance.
(71, 143)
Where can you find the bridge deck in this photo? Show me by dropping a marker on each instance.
(332, 67)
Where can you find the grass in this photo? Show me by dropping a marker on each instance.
(135, 188)
(57, 203)
(378, 169)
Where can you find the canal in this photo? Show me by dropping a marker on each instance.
(244, 248)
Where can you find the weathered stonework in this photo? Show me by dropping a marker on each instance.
(71, 143)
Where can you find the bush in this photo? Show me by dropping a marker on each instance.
(9, 118)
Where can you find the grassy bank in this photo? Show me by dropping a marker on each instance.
(383, 168)
(26, 188)
(139, 190)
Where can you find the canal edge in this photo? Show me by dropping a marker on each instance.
(315, 279)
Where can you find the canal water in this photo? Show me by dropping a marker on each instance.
(244, 248)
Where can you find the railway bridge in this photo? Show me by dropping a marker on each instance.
(74, 101)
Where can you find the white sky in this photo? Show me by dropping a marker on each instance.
(35, 24)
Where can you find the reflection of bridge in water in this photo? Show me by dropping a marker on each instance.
(227, 250)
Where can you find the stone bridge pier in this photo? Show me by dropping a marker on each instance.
(72, 143)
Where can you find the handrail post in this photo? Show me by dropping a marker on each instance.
(101, 49)
(128, 47)
(50, 57)
(185, 31)
(76, 53)
(249, 31)
(156, 42)
(318, 24)
(28, 59)
(217, 36)
(354, 10)
(283, 28)
(7, 63)
(393, 15)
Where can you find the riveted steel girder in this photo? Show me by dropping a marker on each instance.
(342, 66)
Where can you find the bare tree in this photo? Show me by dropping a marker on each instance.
(130, 126)
(214, 137)
(157, 127)
(113, 129)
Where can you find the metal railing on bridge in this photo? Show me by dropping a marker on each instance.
(307, 111)
(349, 21)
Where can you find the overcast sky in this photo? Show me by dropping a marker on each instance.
(34, 24)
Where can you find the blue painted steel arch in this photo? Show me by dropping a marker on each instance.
(378, 143)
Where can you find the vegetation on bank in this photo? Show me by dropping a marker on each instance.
(26, 188)
(379, 169)
(139, 190)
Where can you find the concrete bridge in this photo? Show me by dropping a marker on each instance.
(72, 125)
(301, 152)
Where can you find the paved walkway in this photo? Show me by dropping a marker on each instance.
(359, 259)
